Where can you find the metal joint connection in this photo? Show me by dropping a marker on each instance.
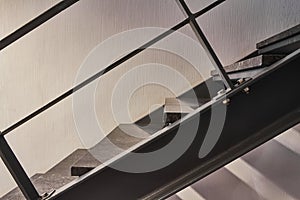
(204, 41)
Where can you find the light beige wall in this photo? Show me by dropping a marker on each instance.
(237, 25)
(44, 64)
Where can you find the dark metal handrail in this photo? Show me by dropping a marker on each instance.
(36, 22)
(7, 155)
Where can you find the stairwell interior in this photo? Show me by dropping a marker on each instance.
(276, 181)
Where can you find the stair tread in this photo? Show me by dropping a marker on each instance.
(279, 164)
(63, 167)
(250, 64)
(224, 185)
(206, 90)
(54, 178)
(242, 74)
(290, 139)
(174, 197)
(174, 105)
(285, 46)
(43, 182)
(151, 128)
(152, 122)
(194, 102)
(124, 136)
(278, 37)
(84, 165)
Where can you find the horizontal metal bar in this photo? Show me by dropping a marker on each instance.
(33, 24)
(102, 72)
(17, 171)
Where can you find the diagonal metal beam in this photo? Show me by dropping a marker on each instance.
(204, 41)
(33, 24)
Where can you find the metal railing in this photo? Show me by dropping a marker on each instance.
(6, 153)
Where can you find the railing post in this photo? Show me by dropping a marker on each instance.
(17, 171)
(205, 43)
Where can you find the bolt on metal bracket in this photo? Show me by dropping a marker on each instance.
(47, 195)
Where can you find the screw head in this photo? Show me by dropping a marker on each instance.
(221, 92)
(247, 90)
(226, 101)
(242, 80)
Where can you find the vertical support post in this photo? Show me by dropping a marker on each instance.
(17, 171)
(205, 43)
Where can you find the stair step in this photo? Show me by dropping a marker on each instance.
(155, 120)
(248, 68)
(256, 180)
(152, 122)
(257, 62)
(224, 185)
(285, 42)
(290, 139)
(279, 164)
(279, 37)
(174, 109)
(189, 193)
(53, 179)
(43, 183)
(194, 102)
(124, 136)
(174, 105)
(63, 168)
(204, 91)
(84, 165)
(174, 197)
(242, 74)
(285, 46)
(250, 55)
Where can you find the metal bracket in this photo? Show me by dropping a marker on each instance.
(221, 94)
(47, 195)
